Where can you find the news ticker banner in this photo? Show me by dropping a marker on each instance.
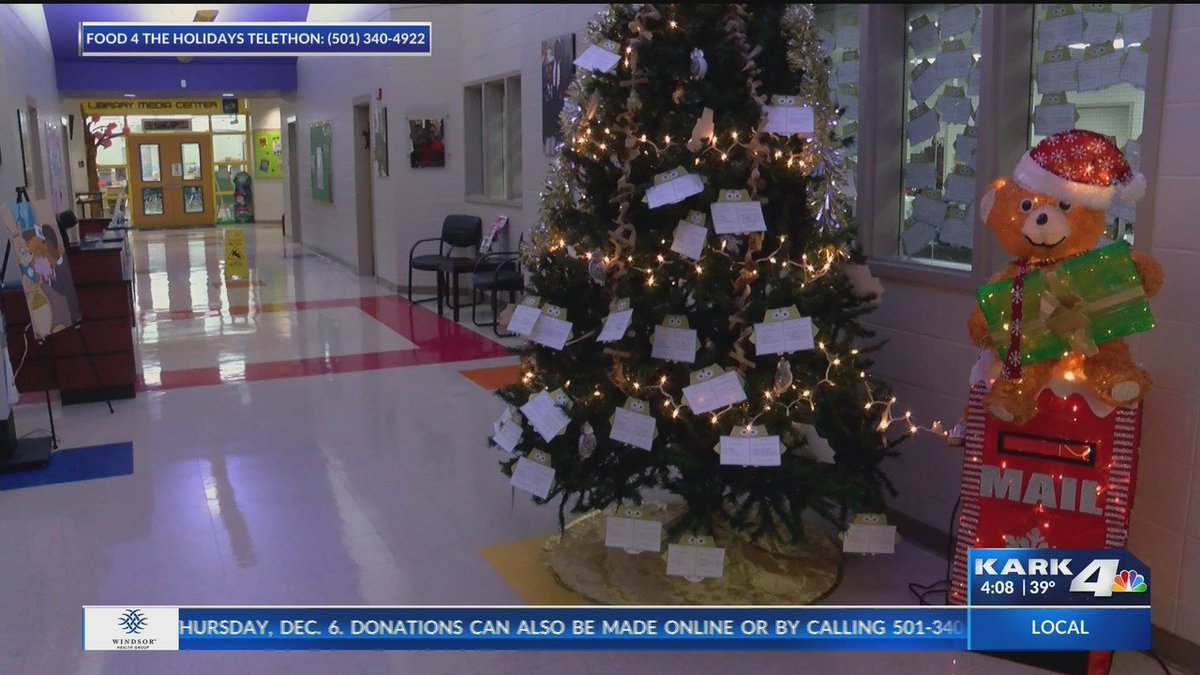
(282, 38)
(1020, 600)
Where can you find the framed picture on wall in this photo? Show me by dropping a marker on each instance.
(381, 141)
(428, 144)
(558, 69)
(320, 148)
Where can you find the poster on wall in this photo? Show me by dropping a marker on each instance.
(320, 148)
(381, 141)
(428, 149)
(558, 70)
(42, 263)
(56, 157)
(268, 154)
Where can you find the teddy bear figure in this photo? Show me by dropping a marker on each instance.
(1051, 210)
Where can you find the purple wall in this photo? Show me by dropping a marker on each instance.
(78, 76)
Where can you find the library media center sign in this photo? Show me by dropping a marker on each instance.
(186, 106)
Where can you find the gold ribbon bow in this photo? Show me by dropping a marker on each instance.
(1062, 311)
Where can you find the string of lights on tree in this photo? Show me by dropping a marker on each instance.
(607, 142)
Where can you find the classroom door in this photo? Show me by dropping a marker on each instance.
(170, 180)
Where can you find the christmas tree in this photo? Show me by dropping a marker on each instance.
(684, 117)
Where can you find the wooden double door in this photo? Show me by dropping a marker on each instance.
(170, 180)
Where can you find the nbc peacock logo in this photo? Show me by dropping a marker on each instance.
(133, 621)
(1129, 581)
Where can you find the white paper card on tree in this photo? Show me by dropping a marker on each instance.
(738, 217)
(1099, 26)
(547, 419)
(924, 80)
(1060, 31)
(633, 428)
(524, 319)
(973, 81)
(847, 71)
(783, 337)
(1133, 70)
(1057, 76)
(797, 119)
(674, 191)
(674, 344)
(750, 450)
(689, 240)
(929, 210)
(615, 325)
(922, 36)
(1100, 72)
(508, 435)
(923, 124)
(1123, 210)
(1135, 26)
(1133, 153)
(862, 538)
(597, 58)
(965, 145)
(954, 109)
(532, 477)
(958, 228)
(849, 102)
(920, 175)
(716, 393)
(633, 535)
(695, 562)
(956, 19)
(955, 63)
(847, 35)
(917, 237)
(551, 332)
(960, 188)
(1051, 119)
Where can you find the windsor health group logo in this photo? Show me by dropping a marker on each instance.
(130, 628)
(133, 621)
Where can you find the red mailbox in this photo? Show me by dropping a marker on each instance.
(1063, 480)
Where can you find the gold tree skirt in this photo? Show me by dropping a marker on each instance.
(754, 574)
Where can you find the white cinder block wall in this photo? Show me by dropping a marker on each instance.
(26, 78)
(929, 355)
(1166, 514)
(268, 192)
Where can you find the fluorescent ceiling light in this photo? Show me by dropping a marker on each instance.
(130, 95)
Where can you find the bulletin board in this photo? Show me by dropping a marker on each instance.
(320, 148)
(268, 154)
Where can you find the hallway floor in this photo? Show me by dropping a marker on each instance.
(306, 438)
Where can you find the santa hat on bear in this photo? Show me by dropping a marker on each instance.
(1080, 167)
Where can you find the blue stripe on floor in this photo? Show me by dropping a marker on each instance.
(75, 464)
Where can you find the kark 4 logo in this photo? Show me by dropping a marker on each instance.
(1101, 577)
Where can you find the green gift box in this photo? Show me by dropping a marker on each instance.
(1073, 306)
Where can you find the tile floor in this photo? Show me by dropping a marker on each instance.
(307, 438)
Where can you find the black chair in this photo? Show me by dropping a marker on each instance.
(65, 221)
(495, 273)
(458, 231)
